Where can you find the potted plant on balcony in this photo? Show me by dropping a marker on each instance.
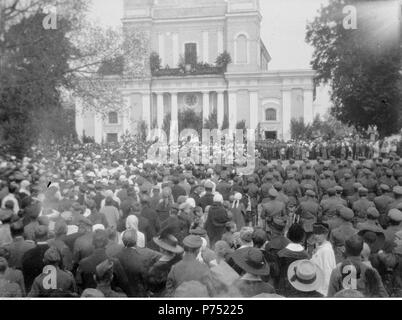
(155, 62)
(223, 60)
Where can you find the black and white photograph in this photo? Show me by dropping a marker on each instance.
(200, 149)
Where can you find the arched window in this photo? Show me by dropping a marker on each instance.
(241, 49)
(270, 114)
(113, 117)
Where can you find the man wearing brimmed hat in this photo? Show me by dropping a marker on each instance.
(171, 254)
(189, 268)
(53, 282)
(360, 206)
(323, 254)
(353, 263)
(305, 278)
(252, 262)
(271, 209)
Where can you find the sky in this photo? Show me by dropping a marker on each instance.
(283, 28)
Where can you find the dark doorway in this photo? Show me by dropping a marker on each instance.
(190, 56)
(271, 135)
(111, 138)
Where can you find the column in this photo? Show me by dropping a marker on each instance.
(308, 106)
(146, 109)
(205, 105)
(286, 113)
(79, 118)
(232, 109)
(98, 127)
(220, 108)
(161, 45)
(175, 39)
(254, 109)
(174, 113)
(174, 130)
(220, 42)
(205, 46)
(160, 110)
(126, 115)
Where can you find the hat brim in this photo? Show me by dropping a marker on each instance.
(314, 286)
(167, 247)
(239, 257)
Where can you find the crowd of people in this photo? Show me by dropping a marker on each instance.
(85, 220)
(342, 147)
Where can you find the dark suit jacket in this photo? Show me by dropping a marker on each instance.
(136, 263)
(87, 268)
(32, 264)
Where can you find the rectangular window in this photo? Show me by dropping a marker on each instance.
(113, 118)
(190, 55)
(111, 138)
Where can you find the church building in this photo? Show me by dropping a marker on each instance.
(193, 33)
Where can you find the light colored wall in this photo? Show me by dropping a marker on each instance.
(297, 104)
(243, 106)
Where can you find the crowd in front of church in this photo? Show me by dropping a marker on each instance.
(87, 221)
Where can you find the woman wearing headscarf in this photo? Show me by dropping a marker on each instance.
(238, 211)
(216, 221)
(132, 224)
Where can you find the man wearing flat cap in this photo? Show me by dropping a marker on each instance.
(360, 206)
(309, 211)
(395, 224)
(342, 232)
(53, 282)
(271, 209)
(104, 274)
(398, 197)
(87, 266)
(383, 201)
(189, 268)
(330, 205)
(371, 224)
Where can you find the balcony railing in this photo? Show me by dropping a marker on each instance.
(179, 72)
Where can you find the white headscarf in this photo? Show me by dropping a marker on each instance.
(132, 223)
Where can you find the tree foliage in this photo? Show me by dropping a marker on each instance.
(363, 72)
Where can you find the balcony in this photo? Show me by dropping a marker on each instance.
(190, 71)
